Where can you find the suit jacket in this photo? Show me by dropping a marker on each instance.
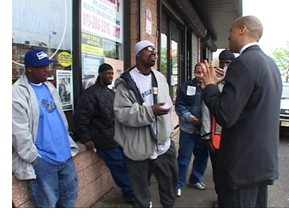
(248, 111)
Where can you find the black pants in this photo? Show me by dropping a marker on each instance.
(213, 157)
(165, 170)
(255, 197)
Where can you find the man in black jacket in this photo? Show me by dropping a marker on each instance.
(248, 111)
(94, 126)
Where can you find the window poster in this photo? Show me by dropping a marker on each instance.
(103, 18)
(64, 88)
(117, 66)
(90, 65)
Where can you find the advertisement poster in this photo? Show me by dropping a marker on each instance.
(90, 65)
(101, 21)
(117, 66)
(91, 44)
(64, 88)
(90, 69)
(103, 18)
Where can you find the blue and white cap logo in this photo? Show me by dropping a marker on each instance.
(41, 55)
(37, 58)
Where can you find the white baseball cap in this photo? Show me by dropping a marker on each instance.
(141, 45)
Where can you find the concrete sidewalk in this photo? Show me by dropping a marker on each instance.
(191, 197)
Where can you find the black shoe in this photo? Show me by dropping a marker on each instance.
(129, 200)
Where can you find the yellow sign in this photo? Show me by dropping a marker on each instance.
(285, 123)
(65, 59)
(87, 49)
(91, 44)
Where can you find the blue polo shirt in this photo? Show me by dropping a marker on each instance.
(52, 138)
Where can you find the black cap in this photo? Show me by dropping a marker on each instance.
(226, 55)
(103, 67)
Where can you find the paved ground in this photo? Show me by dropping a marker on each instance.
(279, 192)
(194, 198)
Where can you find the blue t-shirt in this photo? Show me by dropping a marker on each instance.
(52, 138)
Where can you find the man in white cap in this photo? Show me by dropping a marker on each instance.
(144, 125)
(42, 149)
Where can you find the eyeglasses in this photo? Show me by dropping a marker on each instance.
(152, 49)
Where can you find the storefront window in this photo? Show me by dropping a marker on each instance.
(175, 69)
(170, 53)
(102, 38)
(44, 25)
(164, 55)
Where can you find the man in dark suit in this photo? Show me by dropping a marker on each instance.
(248, 111)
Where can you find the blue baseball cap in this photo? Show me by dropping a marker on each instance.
(37, 58)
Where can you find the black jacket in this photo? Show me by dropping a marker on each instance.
(248, 111)
(94, 117)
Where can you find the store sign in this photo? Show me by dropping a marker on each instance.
(65, 59)
(91, 44)
(148, 21)
(103, 18)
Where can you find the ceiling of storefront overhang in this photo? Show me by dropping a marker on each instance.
(217, 17)
(210, 19)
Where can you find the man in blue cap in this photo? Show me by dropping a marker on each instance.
(42, 149)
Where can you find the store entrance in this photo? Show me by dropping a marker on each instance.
(172, 52)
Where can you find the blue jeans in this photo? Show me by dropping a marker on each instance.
(191, 144)
(114, 160)
(54, 186)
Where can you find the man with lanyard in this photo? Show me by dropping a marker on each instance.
(188, 108)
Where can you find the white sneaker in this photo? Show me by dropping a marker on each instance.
(151, 204)
(199, 185)
(179, 192)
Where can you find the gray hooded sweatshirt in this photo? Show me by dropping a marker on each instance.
(25, 120)
(133, 118)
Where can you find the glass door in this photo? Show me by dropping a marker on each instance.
(174, 56)
(170, 53)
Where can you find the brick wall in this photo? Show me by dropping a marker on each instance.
(134, 27)
(136, 21)
(152, 5)
(93, 175)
